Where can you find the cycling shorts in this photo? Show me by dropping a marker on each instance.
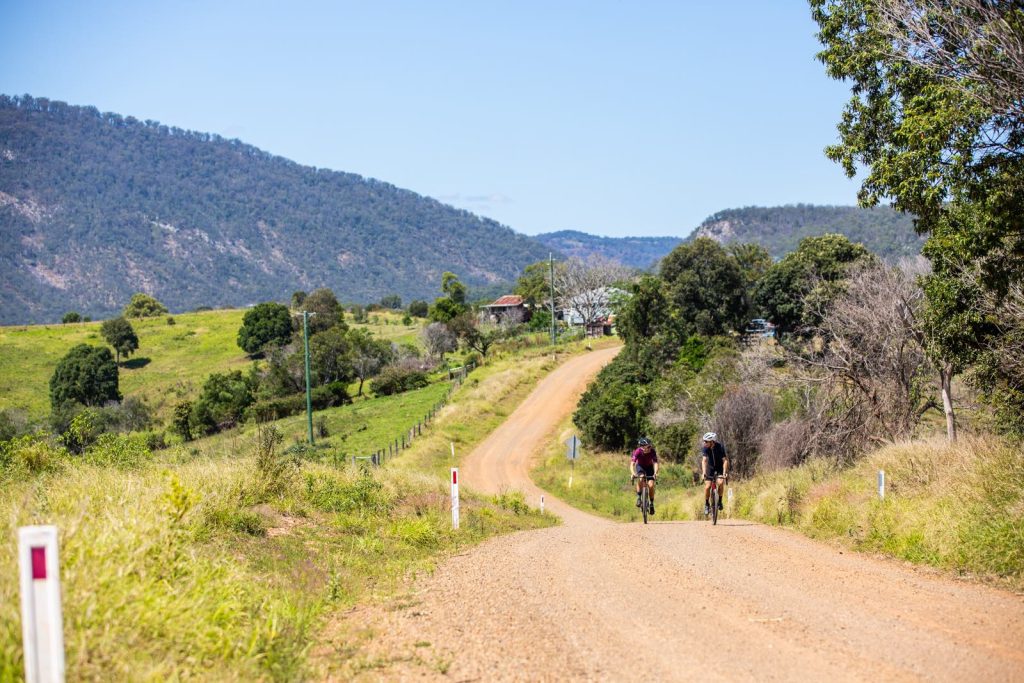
(715, 474)
(645, 469)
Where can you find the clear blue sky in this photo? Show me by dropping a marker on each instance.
(615, 118)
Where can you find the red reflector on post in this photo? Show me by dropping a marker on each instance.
(38, 562)
(455, 476)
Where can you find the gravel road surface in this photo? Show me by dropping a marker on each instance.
(675, 601)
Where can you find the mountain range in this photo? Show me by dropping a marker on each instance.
(96, 206)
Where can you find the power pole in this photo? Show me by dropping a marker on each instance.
(309, 399)
(551, 267)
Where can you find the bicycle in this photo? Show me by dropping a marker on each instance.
(716, 496)
(645, 493)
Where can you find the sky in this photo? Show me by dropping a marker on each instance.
(613, 118)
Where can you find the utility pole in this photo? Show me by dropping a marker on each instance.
(551, 267)
(309, 399)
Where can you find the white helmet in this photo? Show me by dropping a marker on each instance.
(711, 436)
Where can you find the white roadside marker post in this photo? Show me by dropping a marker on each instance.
(453, 450)
(881, 484)
(542, 505)
(455, 497)
(42, 622)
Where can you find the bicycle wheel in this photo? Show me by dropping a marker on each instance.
(714, 504)
(645, 499)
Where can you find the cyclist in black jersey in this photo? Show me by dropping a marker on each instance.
(714, 466)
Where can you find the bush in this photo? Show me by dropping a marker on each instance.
(71, 317)
(13, 423)
(275, 471)
(223, 402)
(124, 451)
(611, 412)
(171, 320)
(326, 396)
(786, 444)
(742, 417)
(30, 454)
(266, 324)
(144, 306)
(395, 379)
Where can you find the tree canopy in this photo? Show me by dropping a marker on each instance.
(144, 306)
(120, 334)
(86, 375)
(265, 324)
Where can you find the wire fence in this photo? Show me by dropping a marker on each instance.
(392, 449)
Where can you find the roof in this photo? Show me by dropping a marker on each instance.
(507, 300)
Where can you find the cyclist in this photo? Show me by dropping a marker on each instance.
(644, 460)
(714, 465)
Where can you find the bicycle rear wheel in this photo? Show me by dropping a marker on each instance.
(645, 500)
(714, 504)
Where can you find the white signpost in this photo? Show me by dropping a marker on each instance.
(572, 452)
(455, 497)
(881, 484)
(542, 505)
(42, 622)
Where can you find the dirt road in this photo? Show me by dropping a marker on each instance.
(679, 601)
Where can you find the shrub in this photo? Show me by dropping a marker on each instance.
(71, 317)
(611, 412)
(125, 451)
(13, 423)
(266, 324)
(742, 417)
(275, 470)
(144, 306)
(171, 320)
(786, 444)
(222, 404)
(395, 379)
(30, 454)
(326, 396)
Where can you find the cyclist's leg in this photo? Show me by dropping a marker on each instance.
(721, 491)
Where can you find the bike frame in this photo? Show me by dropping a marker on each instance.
(645, 492)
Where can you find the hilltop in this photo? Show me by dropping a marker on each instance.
(780, 228)
(95, 206)
(777, 228)
(636, 252)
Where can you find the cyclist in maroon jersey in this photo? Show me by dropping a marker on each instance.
(644, 460)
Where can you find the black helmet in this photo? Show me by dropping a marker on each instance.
(644, 441)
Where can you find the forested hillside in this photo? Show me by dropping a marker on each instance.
(779, 229)
(95, 206)
(636, 252)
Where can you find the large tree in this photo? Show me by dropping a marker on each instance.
(265, 325)
(937, 119)
(120, 334)
(326, 310)
(705, 286)
(795, 292)
(86, 375)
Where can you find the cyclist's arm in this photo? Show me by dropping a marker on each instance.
(632, 466)
(703, 467)
(655, 468)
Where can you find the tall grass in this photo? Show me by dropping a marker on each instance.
(220, 560)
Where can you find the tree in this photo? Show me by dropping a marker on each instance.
(119, 333)
(369, 355)
(265, 325)
(453, 303)
(419, 308)
(534, 285)
(144, 306)
(298, 298)
(86, 375)
(753, 261)
(438, 339)
(705, 286)
(937, 119)
(392, 301)
(331, 356)
(328, 312)
(584, 288)
(222, 403)
(71, 317)
(796, 290)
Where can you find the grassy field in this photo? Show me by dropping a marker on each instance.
(955, 507)
(171, 364)
(222, 558)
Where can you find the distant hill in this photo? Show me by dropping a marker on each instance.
(636, 252)
(95, 206)
(780, 228)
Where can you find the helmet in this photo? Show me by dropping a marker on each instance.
(711, 436)
(644, 441)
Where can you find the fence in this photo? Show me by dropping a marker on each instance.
(393, 448)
